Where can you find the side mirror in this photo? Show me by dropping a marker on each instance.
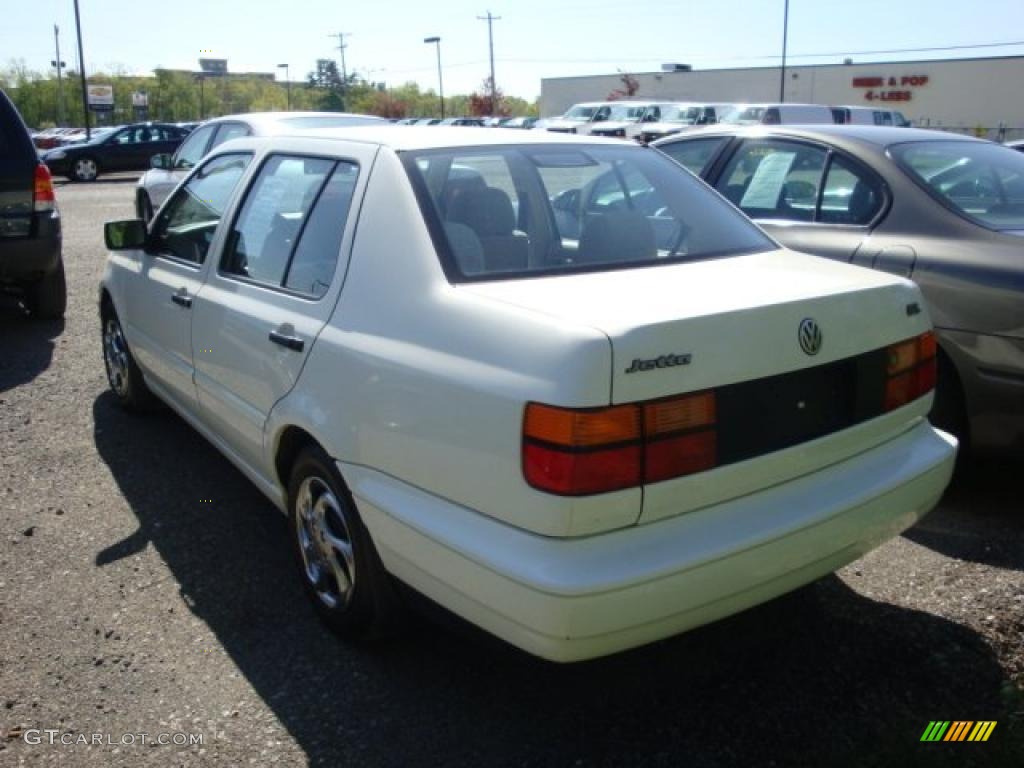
(161, 162)
(124, 235)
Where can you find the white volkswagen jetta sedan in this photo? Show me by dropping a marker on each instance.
(553, 383)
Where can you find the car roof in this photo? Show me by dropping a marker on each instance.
(415, 137)
(266, 119)
(847, 136)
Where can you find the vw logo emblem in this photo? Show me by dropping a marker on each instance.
(809, 335)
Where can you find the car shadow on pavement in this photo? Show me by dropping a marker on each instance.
(981, 517)
(26, 344)
(824, 676)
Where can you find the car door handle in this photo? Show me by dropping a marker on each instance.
(287, 340)
(182, 299)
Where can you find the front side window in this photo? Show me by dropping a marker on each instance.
(290, 227)
(228, 131)
(548, 209)
(193, 148)
(981, 181)
(770, 179)
(694, 154)
(185, 226)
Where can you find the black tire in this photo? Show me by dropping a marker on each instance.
(321, 511)
(84, 168)
(47, 299)
(949, 410)
(123, 375)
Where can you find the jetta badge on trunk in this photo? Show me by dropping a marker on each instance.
(665, 361)
(809, 335)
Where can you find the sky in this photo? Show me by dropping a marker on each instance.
(533, 38)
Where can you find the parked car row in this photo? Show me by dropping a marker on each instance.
(486, 122)
(646, 121)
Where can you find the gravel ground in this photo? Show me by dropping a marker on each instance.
(130, 605)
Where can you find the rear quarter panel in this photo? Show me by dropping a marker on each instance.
(426, 383)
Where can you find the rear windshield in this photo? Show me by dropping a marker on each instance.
(983, 182)
(518, 211)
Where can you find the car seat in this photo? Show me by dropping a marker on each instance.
(489, 213)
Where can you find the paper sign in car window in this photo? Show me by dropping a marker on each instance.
(766, 184)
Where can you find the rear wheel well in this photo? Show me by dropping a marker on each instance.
(106, 304)
(289, 446)
(949, 410)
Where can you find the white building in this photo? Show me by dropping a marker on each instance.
(958, 94)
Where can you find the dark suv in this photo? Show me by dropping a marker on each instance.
(30, 239)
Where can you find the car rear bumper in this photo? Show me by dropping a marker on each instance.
(573, 599)
(26, 259)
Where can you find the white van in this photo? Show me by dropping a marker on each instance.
(777, 114)
(869, 116)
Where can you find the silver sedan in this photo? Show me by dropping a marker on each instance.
(943, 209)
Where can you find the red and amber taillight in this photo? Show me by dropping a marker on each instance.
(581, 451)
(910, 370)
(43, 198)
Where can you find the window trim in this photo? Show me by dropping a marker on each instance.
(228, 239)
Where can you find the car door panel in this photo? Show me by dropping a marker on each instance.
(241, 372)
(161, 296)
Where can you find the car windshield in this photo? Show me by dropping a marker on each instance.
(517, 211)
(984, 182)
(684, 115)
(626, 112)
(744, 115)
(580, 113)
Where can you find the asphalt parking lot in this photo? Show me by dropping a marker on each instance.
(146, 588)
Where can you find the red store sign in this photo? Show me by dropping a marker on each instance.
(900, 87)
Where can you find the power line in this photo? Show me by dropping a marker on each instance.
(770, 56)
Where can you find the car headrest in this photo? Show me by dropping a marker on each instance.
(622, 235)
(488, 212)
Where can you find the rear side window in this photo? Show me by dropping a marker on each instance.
(516, 211)
(289, 231)
(771, 179)
(694, 154)
(185, 226)
(851, 196)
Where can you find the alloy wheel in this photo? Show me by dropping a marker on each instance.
(325, 542)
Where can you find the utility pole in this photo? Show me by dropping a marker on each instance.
(81, 71)
(785, 33)
(341, 49)
(490, 38)
(60, 81)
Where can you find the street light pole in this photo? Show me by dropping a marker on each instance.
(287, 83)
(785, 34)
(60, 81)
(81, 71)
(440, 82)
